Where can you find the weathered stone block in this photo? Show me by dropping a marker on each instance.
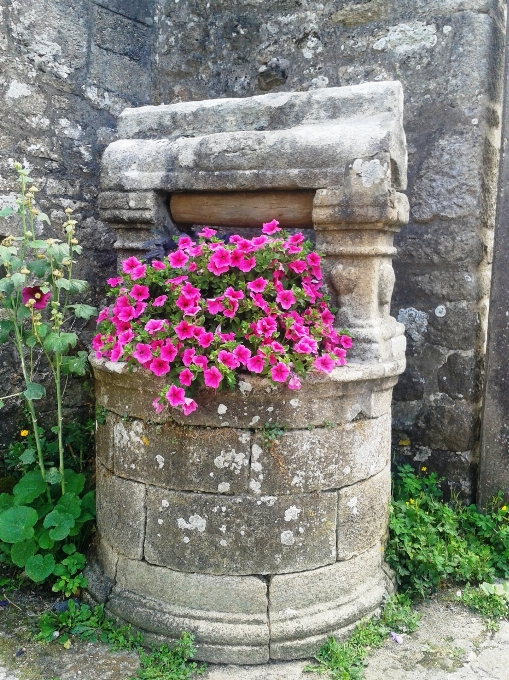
(363, 512)
(108, 26)
(107, 558)
(305, 609)
(240, 535)
(121, 513)
(104, 444)
(173, 456)
(119, 74)
(323, 458)
(457, 376)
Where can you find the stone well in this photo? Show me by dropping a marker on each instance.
(258, 522)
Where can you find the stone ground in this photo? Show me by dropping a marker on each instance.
(451, 644)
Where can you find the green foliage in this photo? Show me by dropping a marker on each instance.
(432, 542)
(346, 660)
(80, 620)
(270, 432)
(488, 601)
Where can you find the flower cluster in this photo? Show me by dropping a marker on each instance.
(213, 309)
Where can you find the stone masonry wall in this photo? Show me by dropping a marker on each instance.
(68, 68)
(449, 56)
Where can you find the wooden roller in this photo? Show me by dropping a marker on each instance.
(292, 209)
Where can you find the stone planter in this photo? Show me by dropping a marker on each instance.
(257, 523)
(261, 541)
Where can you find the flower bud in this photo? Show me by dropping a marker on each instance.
(68, 211)
(24, 271)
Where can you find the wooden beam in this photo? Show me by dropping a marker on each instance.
(292, 209)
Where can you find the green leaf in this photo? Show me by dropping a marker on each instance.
(34, 391)
(23, 313)
(39, 267)
(40, 245)
(6, 285)
(78, 286)
(5, 212)
(60, 342)
(6, 252)
(77, 364)
(29, 487)
(53, 476)
(18, 280)
(70, 503)
(31, 341)
(17, 524)
(2, 403)
(42, 217)
(22, 551)
(6, 501)
(69, 549)
(63, 283)
(45, 542)
(39, 568)
(28, 456)
(61, 521)
(84, 311)
(74, 482)
(5, 329)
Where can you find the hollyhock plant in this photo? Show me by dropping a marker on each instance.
(214, 310)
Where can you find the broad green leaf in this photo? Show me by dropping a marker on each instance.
(18, 280)
(2, 403)
(6, 501)
(74, 482)
(40, 245)
(43, 329)
(70, 503)
(61, 522)
(22, 551)
(78, 286)
(63, 283)
(28, 456)
(6, 285)
(69, 549)
(5, 329)
(77, 249)
(39, 568)
(29, 487)
(59, 342)
(17, 524)
(34, 391)
(42, 217)
(88, 506)
(84, 311)
(31, 341)
(6, 252)
(39, 267)
(45, 542)
(23, 313)
(5, 212)
(77, 364)
(53, 476)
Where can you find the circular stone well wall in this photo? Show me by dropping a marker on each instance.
(257, 523)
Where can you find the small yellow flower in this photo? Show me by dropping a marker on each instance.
(412, 500)
(24, 433)
(504, 508)
(424, 469)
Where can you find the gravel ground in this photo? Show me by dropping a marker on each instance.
(451, 644)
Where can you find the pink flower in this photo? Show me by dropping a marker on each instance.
(185, 377)
(231, 307)
(296, 239)
(143, 353)
(256, 364)
(126, 336)
(192, 267)
(138, 272)
(266, 326)
(156, 264)
(159, 408)
(159, 301)
(116, 352)
(126, 313)
(188, 355)
(184, 330)
(97, 341)
(258, 285)
(233, 294)
(227, 337)
(177, 259)
(190, 291)
(139, 292)
(220, 261)
(280, 372)
(214, 305)
(159, 366)
(130, 264)
(242, 354)
(195, 252)
(259, 241)
(228, 359)
(345, 341)
(260, 302)
(176, 396)
(212, 377)
(168, 351)
(187, 305)
(155, 325)
(185, 242)
(205, 339)
(35, 293)
(314, 259)
(306, 346)
(189, 406)
(174, 282)
(276, 347)
(139, 308)
(271, 227)
(103, 314)
(285, 298)
(324, 364)
(236, 257)
(246, 265)
(328, 319)
(207, 232)
(201, 361)
(341, 354)
(294, 383)
(293, 250)
(114, 282)
(298, 266)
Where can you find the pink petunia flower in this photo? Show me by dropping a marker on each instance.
(285, 298)
(186, 377)
(247, 264)
(187, 305)
(159, 366)
(228, 359)
(215, 306)
(138, 272)
(103, 314)
(126, 313)
(192, 267)
(139, 292)
(271, 227)
(184, 330)
(242, 353)
(230, 308)
(201, 361)
(174, 282)
(188, 355)
(280, 372)
(256, 364)
(185, 242)
(155, 325)
(294, 383)
(306, 346)
(116, 352)
(168, 351)
(157, 265)
(142, 353)
(159, 301)
(126, 336)
(114, 282)
(130, 265)
(314, 259)
(175, 396)
(298, 266)
(177, 259)
(189, 406)
(259, 241)
(258, 285)
(97, 341)
(159, 408)
(212, 377)
(266, 326)
(207, 232)
(345, 341)
(233, 294)
(205, 339)
(324, 364)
